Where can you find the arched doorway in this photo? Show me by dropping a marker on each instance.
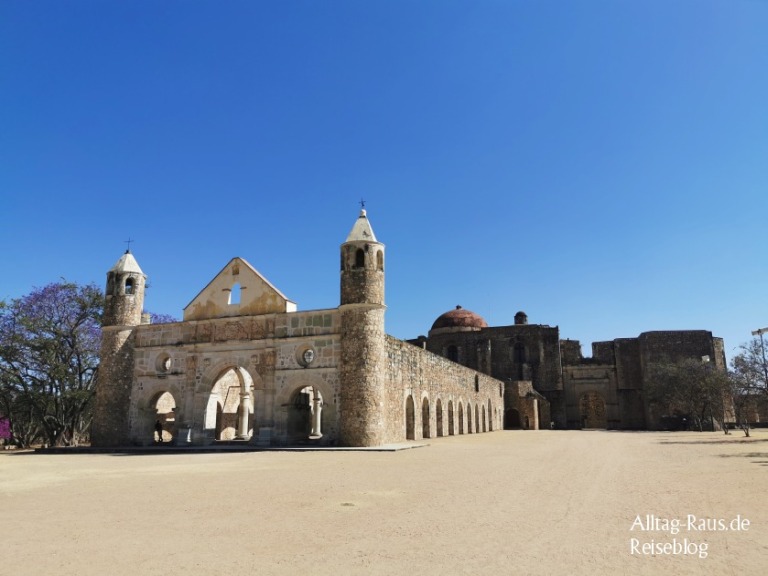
(229, 411)
(410, 419)
(490, 416)
(164, 412)
(592, 410)
(477, 418)
(461, 418)
(511, 419)
(469, 418)
(451, 428)
(439, 417)
(305, 415)
(425, 432)
(484, 428)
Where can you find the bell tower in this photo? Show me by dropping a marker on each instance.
(125, 293)
(363, 350)
(123, 305)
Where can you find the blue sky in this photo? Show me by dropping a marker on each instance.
(601, 165)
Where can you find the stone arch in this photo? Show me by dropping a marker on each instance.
(592, 410)
(164, 406)
(461, 418)
(477, 418)
(484, 427)
(306, 411)
(410, 418)
(304, 415)
(512, 419)
(470, 430)
(451, 426)
(425, 424)
(156, 402)
(490, 416)
(439, 418)
(228, 410)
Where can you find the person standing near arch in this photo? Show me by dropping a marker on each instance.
(159, 431)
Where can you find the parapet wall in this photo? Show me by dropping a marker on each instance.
(225, 330)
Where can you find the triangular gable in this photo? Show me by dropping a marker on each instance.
(219, 299)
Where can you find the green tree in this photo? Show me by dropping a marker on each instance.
(751, 365)
(49, 354)
(692, 389)
(750, 371)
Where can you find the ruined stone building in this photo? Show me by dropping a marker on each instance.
(244, 365)
(549, 383)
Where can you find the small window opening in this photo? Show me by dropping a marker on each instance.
(477, 383)
(452, 353)
(379, 261)
(129, 286)
(234, 294)
(360, 258)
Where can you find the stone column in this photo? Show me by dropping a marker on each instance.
(245, 410)
(317, 408)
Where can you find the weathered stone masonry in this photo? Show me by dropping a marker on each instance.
(245, 366)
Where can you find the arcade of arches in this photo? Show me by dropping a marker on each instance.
(440, 419)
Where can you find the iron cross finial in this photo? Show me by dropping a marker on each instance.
(129, 243)
(362, 204)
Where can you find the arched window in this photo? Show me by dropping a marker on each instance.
(452, 353)
(129, 286)
(519, 360)
(477, 383)
(234, 294)
(379, 260)
(360, 258)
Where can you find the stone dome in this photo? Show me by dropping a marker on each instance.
(459, 318)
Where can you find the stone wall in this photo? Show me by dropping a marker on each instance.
(628, 364)
(188, 359)
(428, 379)
(570, 351)
(591, 399)
(524, 408)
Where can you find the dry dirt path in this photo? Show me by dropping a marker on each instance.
(523, 503)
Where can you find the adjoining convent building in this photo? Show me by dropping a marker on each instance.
(244, 365)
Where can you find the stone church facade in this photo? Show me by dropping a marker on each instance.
(244, 365)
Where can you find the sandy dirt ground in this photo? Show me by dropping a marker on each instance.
(523, 503)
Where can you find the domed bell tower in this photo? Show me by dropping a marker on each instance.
(363, 349)
(123, 305)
